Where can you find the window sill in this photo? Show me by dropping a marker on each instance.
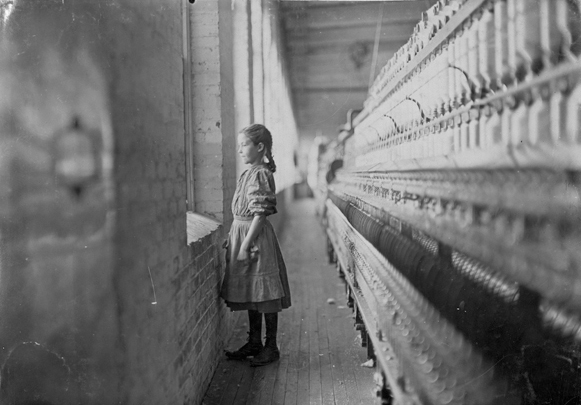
(199, 226)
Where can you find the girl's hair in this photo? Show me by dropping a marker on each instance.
(258, 133)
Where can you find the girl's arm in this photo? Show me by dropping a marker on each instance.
(255, 228)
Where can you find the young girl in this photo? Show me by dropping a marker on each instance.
(255, 279)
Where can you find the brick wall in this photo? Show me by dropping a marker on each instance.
(172, 346)
(148, 121)
(202, 323)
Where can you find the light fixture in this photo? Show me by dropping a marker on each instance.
(76, 158)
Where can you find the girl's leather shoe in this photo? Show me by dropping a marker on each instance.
(268, 355)
(249, 349)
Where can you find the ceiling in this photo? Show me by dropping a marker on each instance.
(330, 48)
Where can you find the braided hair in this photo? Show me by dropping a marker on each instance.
(258, 133)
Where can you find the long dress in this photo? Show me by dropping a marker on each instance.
(261, 283)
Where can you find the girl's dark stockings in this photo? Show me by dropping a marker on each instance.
(254, 344)
(271, 321)
(255, 326)
(270, 351)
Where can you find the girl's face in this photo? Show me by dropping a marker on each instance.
(249, 152)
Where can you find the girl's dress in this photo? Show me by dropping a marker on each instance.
(260, 284)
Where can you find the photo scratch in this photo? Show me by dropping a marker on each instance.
(152, 286)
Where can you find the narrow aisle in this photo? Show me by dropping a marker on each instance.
(321, 353)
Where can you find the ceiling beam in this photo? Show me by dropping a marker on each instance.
(331, 89)
(357, 24)
(340, 46)
(342, 24)
(352, 11)
(313, 4)
(399, 33)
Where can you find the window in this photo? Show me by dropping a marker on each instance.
(197, 225)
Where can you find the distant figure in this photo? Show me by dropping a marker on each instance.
(256, 278)
(332, 172)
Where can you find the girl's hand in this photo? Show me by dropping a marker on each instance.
(243, 254)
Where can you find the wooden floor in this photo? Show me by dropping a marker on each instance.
(321, 354)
